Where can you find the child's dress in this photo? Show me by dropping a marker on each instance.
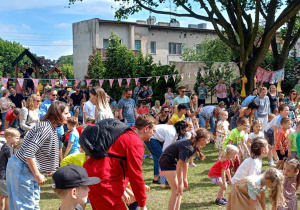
(242, 191)
(223, 127)
(289, 191)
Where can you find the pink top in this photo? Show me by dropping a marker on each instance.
(221, 87)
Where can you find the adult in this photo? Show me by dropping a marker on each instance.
(73, 90)
(89, 109)
(194, 110)
(114, 178)
(27, 75)
(168, 104)
(207, 115)
(188, 92)
(10, 81)
(169, 95)
(143, 109)
(47, 87)
(291, 102)
(164, 115)
(103, 110)
(264, 106)
(11, 116)
(156, 108)
(273, 98)
(181, 98)
(202, 94)
(247, 112)
(5, 106)
(136, 92)
(16, 98)
(30, 115)
(233, 94)
(86, 93)
(144, 95)
(78, 112)
(63, 96)
(75, 98)
(37, 155)
(297, 86)
(164, 136)
(126, 107)
(222, 92)
(249, 98)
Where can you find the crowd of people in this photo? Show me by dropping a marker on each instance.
(42, 134)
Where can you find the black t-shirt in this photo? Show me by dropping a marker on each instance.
(28, 72)
(76, 99)
(63, 100)
(234, 86)
(87, 94)
(181, 149)
(6, 152)
(17, 100)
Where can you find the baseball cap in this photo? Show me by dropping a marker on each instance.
(183, 106)
(71, 176)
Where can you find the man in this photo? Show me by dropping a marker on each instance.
(75, 98)
(86, 93)
(222, 93)
(144, 95)
(16, 98)
(202, 91)
(27, 75)
(181, 98)
(207, 115)
(114, 175)
(126, 108)
(233, 95)
(136, 92)
(10, 116)
(73, 90)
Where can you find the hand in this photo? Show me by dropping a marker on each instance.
(282, 152)
(180, 189)
(40, 179)
(185, 184)
(147, 188)
(49, 174)
(126, 198)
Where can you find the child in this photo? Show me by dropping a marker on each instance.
(179, 115)
(73, 143)
(252, 165)
(271, 117)
(73, 188)
(291, 183)
(221, 131)
(75, 159)
(12, 137)
(281, 144)
(218, 171)
(256, 131)
(143, 109)
(292, 147)
(248, 192)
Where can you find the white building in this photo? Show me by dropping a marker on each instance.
(163, 40)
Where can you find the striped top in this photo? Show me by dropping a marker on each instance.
(41, 143)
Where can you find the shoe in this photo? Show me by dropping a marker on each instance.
(220, 202)
(271, 164)
(192, 165)
(156, 181)
(275, 161)
(151, 157)
(144, 157)
(197, 158)
(224, 199)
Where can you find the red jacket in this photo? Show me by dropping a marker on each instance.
(111, 173)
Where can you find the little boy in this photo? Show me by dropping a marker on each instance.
(73, 143)
(294, 147)
(71, 186)
(12, 137)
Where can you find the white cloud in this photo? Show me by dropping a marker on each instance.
(62, 25)
(24, 26)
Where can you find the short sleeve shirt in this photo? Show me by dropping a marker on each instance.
(17, 100)
(221, 87)
(5, 154)
(202, 92)
(76, 99)
(178, 100)
(127, 106)
(207, 111)
(74, 138)
(216, 169)
(143, 111)
(282, 137)
(235, 136)
(10, 116)
(248, 167)
(176, 118)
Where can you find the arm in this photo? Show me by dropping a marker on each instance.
(6, 124)
(120, 114)
(289, 147)
(24, 102)
(184, 174)
(70, 144)
(223, 176)
(251, 204)
(262, 200)
(77, 113)
(166, 97)
(135, 113)
(40, 178)
(43, 111)
(232, 91)
(179, 170)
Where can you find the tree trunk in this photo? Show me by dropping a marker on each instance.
(250, 72)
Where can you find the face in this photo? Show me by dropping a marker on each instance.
(37, 102)
(224, 116)
(285, 112)
(263, 93)
(194, 100)
(221, 81)
(289, 171)
(244, 126)
(272, 89)
(14, 140)
(231, 156)
(264, 151)
(286, 125)
(82, 194)
(203, 142)
(65, 115)
(93, 99)
(148, 133)
(254, 92)
(52, 96)
(182, 91)
(201, 84)
(157, 103)
(183, 111)
(90, 87)
(26, 65)
(169, 90)
(293, 95)
(12, 91)
(257, 127)
(128, 94)
(166, 111)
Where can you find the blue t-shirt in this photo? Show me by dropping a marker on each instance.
(127, 107)
(74, 137)
(247, 101)
(202, 92)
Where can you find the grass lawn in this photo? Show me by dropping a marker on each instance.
(200, 195)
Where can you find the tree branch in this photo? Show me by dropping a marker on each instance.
(294, 39)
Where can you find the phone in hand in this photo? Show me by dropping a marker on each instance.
(201, 105)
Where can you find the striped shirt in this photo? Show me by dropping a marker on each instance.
(41, 143)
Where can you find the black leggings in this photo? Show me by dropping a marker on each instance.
(133, 206)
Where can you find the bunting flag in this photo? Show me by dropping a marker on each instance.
(65, 82)
(213, 71)
(101, 82)
(166, 78)
(207, 72)
(120, 82)
(195, 73)
(202, 73)
(189, 75)
(264, 75)
(243, 91)
(53, 81)
(157, 78)
(20, 81)
(279, 87)
(77, 81)
(88, 82)
(36, 84)
(148, 78)
(4, 81)
(277, 76)
(111, 82)
(174, 77)
(181, 76)
(128, 81)
(136, 81)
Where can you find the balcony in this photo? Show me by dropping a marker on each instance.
(103, 53)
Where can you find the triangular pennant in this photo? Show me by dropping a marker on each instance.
(111, 82)
(148, 78)
(174, 77)
(213, 70)
(101, 82)
(120, 82)
(189, 75)
(128, 81)
(202, 73)
(207, 72)
(136, 81)
(36, 84)
(88, 82)
(20, 81)
(166, 78)
(157, 78)
(77, 81)
(65, 82)
(4, 82)
(181, 75)
(195, 73)
(53, 81)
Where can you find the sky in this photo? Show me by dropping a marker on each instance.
(45, 26)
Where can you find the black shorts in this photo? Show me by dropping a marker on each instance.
(280, 156)
(165, 164)
(270, 137)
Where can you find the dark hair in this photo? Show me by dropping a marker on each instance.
(180, 126)
(54, 113)
(281, 107)
(25, 63)
(281, 100)
(16, 111)
(295, 163)
(254, 89)
(181, 87)
(127, 89)
(256, 145)
(242, 120)
(51, 90)
(12, 87)
(145, 120)
(253, 105)
(201, 133)
(93, 92)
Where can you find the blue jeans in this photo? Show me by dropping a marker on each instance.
(155, 147)
(130, 124)
(23, 190)
(212, 122)
(3, 120)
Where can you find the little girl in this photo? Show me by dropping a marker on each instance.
(256, 131)
(220, 169)
(252, 165)
(248, 192)
(291, 183)
(221, 131)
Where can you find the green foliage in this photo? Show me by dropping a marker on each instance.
(67, 70)
(65, 59)
(96, 68)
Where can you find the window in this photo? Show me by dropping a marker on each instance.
(175, 48)
(105, 43)
(137, 45)
(153, 47)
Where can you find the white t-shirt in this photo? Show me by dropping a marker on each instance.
(247, 168)
(253, 135)
(165, 133)
(274, 122)
(89, 109)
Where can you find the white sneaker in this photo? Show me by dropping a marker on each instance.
(271, 164)
(193, 165)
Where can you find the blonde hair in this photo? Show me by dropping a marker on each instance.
(229, 149)
(155, 104)
(102, 102)
(273, 86)
(5, 92)
(30, 101)
(276, 195)
(193, 106)
(73, 121)
(12, 132)
(200, 133)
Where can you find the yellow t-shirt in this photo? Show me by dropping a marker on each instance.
(175, 118)
(74, 159)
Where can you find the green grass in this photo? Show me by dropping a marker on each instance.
(200, 195)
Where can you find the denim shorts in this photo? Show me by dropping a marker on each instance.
(215, 180)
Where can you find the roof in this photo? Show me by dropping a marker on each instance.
(51, 71)
(29, 55)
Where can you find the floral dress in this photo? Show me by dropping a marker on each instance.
(220, 137)
(292, 106)
(290, 188)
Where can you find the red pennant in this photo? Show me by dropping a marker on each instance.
(111, 82)
(88, 82)
(101, 82)
(120, 82)
(36, 84)
(77, 81)
(4, 81)
(136, 81)
(20, 81)
(128, 81)
(53, 81)
(65, 82)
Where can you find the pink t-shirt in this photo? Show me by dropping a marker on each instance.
(143, 111)
(221, 87)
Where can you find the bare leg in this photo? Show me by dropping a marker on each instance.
(2, 202)
(175, 200)
(221, 191)
(6, 203)
(220, 152)
(60, 155)
(274, 153)
(270, 153)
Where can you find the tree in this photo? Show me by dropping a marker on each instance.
(96, 68)
(65, 59)
(67, 70)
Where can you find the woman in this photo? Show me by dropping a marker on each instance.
(169, 95)
(164, 115)
(273, 98)
(168, 104)
(30, 115)
(37, 155)
(103, 110)
(5, 105)
(291, 102)
(63, 96)
(174, 163)
(222, 92)
(191, 113)
(244, 112)
(249, 98)
(156, 108)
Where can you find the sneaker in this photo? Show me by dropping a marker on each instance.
(224, 199)
(220, 202)
(193, 165)
(156, 181)
(144, 157)
(151, 157)
(271, 164)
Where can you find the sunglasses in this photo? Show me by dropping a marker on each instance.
(167, 111)
(294, 93)
(54, 95)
